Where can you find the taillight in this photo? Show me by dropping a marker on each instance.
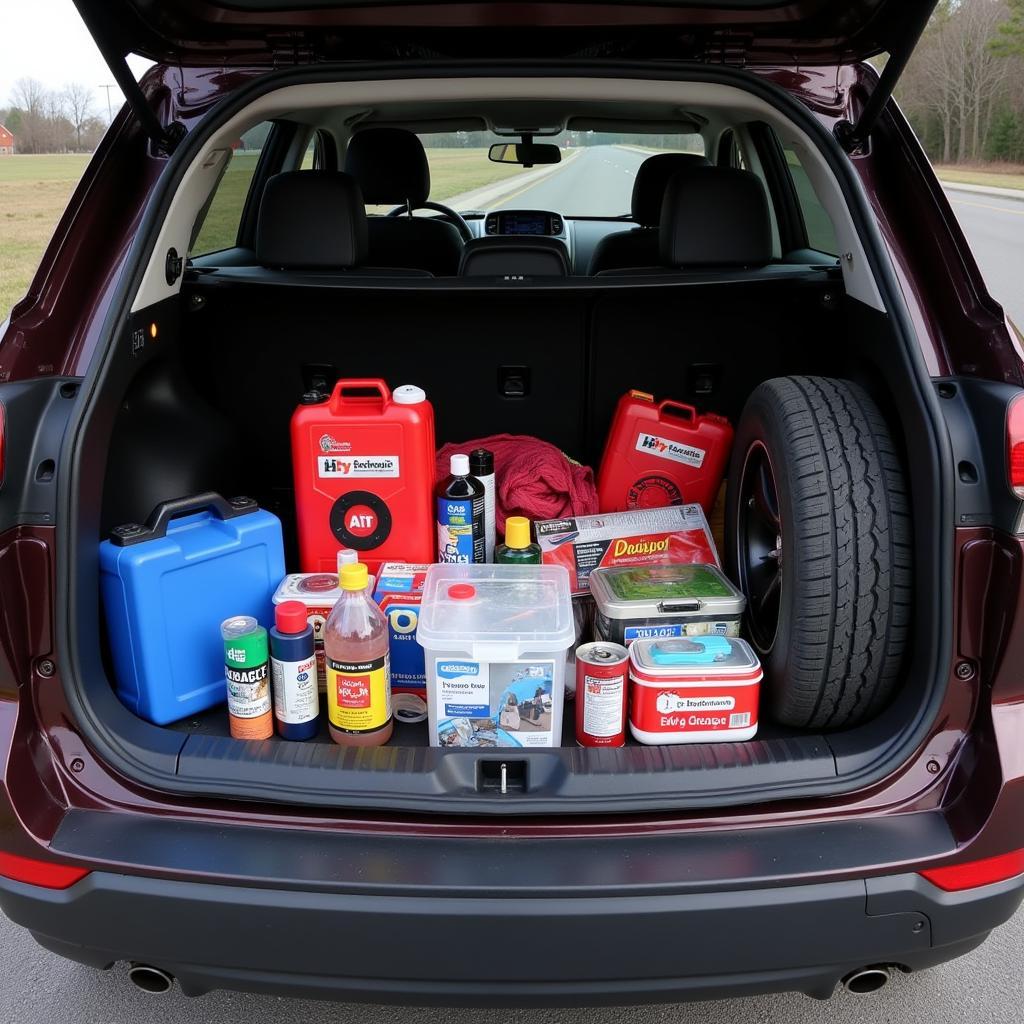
(1015, 446)
(975, 873)
(43, 873)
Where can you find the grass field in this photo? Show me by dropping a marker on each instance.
(998, 175)
(33, 193)
(35, 189)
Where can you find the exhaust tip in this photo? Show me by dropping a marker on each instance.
(150, 979)
(867, 980)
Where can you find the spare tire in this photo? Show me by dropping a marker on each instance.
(818, 538)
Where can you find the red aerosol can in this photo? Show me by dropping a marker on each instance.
(602, 688)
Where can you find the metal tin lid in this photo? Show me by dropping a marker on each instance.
(650, 591)
(697, 656)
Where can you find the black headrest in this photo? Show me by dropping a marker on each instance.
(515, 256)
(311, 219)
(390, 166)
(652, 177)
(715, 217)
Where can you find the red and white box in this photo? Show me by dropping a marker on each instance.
(697, 689)
(677, 535)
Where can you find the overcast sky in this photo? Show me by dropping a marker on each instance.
(46, 40)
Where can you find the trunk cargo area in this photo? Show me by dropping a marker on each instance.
(207, 408)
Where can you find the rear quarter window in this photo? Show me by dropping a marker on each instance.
(821, 234)
(218, 225)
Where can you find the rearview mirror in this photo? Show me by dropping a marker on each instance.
(525, 153)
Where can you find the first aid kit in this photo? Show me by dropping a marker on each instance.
(167, 585)
(363, 461)
(655, 536)
(495, 639)
(662, 453)
(646, 602)
(701, 689)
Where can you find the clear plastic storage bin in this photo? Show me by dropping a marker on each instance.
(495, 639)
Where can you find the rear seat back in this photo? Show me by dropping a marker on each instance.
(711, 218)
(316, 221)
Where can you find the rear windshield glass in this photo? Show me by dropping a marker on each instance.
(593, 179)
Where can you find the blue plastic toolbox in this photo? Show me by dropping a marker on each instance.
(168, 585)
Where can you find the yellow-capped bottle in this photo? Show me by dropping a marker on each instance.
(358, 668)
(517, 549)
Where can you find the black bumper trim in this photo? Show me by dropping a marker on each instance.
(492, 950)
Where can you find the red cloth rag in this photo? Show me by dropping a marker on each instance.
(532, 478)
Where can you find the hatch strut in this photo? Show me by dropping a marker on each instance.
(853, 136)
(164, 138)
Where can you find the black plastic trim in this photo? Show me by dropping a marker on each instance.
(416, 944)
(932, 653)
(35, 420)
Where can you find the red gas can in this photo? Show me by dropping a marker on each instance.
(662, 453)
(363, 461)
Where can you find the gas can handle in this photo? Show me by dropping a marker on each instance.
(362, 383)
(161, 516)
(680, 409)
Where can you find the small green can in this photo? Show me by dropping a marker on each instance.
(652, 602)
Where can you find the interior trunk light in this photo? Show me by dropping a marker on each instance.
(1015, 446)
(975, 873)
(43, 873)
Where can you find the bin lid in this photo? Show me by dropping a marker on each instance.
(653, 591)
(694, 658)
(529, 606)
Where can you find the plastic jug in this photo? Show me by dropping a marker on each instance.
(363, 461)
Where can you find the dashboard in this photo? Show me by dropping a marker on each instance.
(525, 222)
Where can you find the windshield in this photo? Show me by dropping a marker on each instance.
(594, 178)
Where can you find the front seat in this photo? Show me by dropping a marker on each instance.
(391, 167)
(639, 247)
(316, 221)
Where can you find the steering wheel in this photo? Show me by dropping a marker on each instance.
(447, 213)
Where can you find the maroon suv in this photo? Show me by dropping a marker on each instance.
(793, 265)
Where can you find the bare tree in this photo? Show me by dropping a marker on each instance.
(29, 97)
(78, 102)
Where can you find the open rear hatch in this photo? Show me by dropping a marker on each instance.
(198, 758)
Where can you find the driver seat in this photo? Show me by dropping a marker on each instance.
(392, 170)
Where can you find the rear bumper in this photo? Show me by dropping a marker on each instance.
(499, 949)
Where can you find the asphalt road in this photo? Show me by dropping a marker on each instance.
(994, 226)
(37, 987)
(597, 182)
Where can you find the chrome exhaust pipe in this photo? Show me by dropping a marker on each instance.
(867, 980)
(151, 979)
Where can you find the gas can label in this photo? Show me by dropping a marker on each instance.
(295, 690)
(602, 705)
(359, 694)
(663, 448)
(493, 704)
(352, 467)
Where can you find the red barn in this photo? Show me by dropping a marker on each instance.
(6, 142)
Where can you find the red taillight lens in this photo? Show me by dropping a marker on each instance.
(1015, 446)
(975, 873)
(43, 873)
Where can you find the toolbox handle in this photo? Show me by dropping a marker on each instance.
(161, 516)
(680, 409)
(693, 604)
(361, 384)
